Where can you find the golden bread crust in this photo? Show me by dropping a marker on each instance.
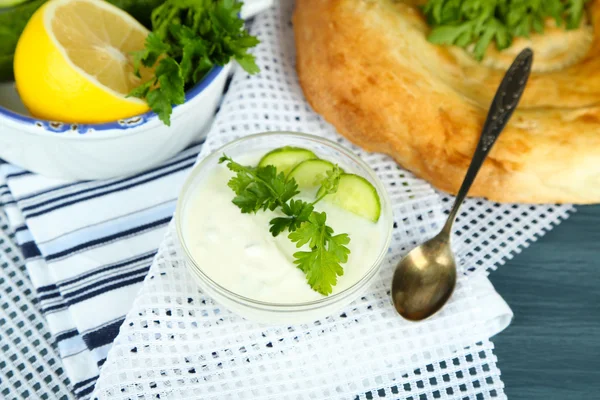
(366, 66)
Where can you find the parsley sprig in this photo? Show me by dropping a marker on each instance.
(480, 22)
(263, 188)
(188, 38)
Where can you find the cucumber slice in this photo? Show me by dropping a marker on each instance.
(310, 173)
(286, 158)
(357, 195)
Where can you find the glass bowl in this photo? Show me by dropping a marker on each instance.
(267, 312)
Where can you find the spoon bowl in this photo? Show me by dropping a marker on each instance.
(425, 278)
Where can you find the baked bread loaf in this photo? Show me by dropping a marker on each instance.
(367, 67)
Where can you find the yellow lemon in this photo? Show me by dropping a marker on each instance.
(73, 62)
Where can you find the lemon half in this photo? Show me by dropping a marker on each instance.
(73, 62)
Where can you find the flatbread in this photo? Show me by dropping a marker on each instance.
(367, 67)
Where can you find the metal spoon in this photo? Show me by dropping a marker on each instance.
(425, 278)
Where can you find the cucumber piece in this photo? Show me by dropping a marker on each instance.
(310, 173)
(286, 158)
(357, 195)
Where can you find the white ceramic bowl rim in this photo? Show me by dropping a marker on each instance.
(54, 127)
(288, 307)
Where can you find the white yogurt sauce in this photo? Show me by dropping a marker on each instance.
(238, 252)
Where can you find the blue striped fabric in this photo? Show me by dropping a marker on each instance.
(88, 246)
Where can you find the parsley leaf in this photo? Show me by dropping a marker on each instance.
(264, 188)
(475, 24)
(298, 211)
(330, 183)
(322, 264)
(574, 11)
(154, 48)
(259, 188)
(169, 90)
(189, 38)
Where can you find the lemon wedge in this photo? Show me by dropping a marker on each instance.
(73, 62)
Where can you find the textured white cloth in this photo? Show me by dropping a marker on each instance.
(87, 247)
(29, 364)
(178, 343)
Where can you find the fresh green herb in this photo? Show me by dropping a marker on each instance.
(263, 188)
(188, 38)
(322, 263)
(478, 23)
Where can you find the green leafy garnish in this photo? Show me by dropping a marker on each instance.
(263, 188)
(190, 37)
(478, 23)
(322, 264)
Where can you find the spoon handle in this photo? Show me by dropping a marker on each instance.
(503, 105)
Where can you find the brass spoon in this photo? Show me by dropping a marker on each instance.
(425, 278)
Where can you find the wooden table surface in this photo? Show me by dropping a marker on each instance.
(552, 348)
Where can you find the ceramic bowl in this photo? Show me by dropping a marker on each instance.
(107, 150)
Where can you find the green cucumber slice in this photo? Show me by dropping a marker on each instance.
(310, 173)
(357, 195)
(286, 158)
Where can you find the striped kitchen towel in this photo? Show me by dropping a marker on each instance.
(88, 246)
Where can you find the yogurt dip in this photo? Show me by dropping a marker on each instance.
(238, 252)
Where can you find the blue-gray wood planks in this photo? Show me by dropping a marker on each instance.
(552, 348)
